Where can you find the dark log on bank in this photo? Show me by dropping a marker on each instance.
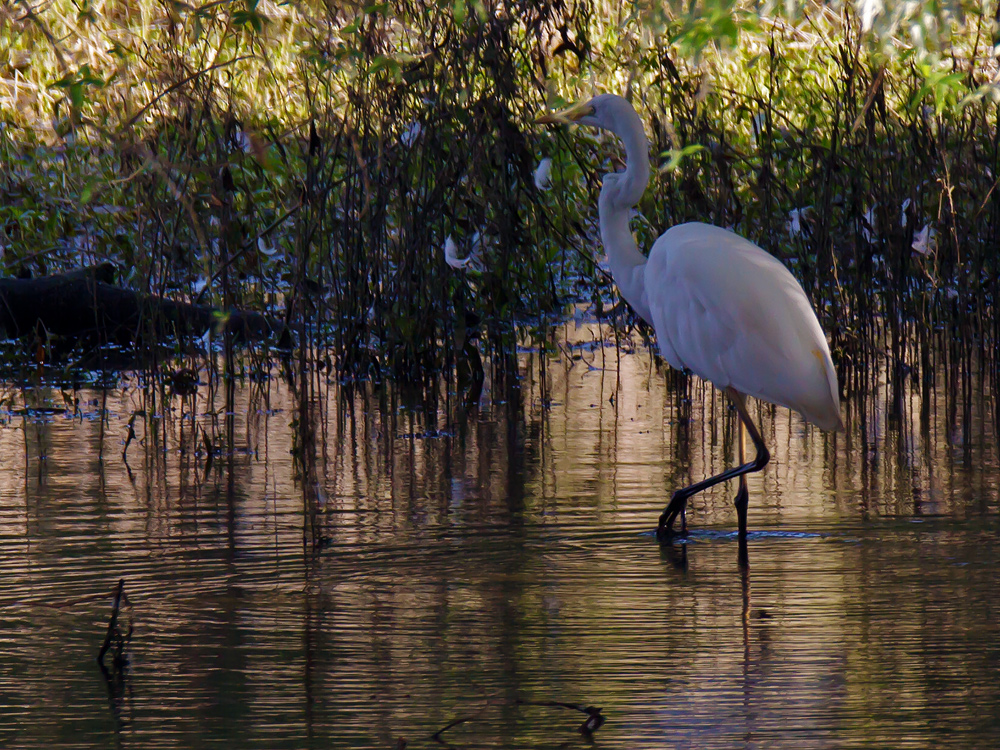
(85, 302)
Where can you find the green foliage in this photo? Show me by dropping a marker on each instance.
(711, 22)
(866, 163)
(945, 89)
(676, 155)
(76, 85)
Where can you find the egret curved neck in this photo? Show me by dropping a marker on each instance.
(628, 265)
(619, 193)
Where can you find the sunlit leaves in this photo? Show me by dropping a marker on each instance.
(693, 26)
(714, 22)
(353, 27)
(892, 25)
(356, 25)
(922, 26)
(249, 16)
(945, 89)
(381, 62)
(460, 10)
(85, 13)
(676, 156)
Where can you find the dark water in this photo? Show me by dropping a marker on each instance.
(476, 565)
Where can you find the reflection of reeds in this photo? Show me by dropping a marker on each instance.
(438, 578)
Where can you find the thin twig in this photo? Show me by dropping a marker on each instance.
(872, 91)
(437, 735)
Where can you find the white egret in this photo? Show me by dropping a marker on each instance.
(469, 261)
(721, 307)
(795, 218)
(451, 254)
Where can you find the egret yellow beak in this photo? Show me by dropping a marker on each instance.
(568, 115)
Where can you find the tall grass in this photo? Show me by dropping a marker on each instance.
(313, 160)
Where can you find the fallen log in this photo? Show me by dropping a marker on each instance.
(85, 302)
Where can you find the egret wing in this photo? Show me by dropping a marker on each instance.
(734, 315)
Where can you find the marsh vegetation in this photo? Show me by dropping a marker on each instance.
(433, 504)
(313, 161)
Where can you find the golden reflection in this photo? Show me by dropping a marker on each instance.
(482, 563)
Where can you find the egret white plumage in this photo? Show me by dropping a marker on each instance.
(721, 307)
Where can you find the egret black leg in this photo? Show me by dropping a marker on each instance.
(740, 501)
(678, 502)
(742, 498)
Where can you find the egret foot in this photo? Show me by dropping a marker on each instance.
(677, 507)
(665, 531)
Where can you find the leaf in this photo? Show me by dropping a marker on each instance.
(118, 51)
(676, 156)
(711, 22)
(86, 14)
(480, 9)
(248, 18)
(387, 63)
(74, 84)
(87, 193)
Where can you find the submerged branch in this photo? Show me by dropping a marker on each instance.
(114, 633)
(593, 722)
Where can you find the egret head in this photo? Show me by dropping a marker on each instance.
(606, 111)
(621, 191)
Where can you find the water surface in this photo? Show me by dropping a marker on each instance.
(446, 564)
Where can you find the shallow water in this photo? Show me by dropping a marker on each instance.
(471, 566)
